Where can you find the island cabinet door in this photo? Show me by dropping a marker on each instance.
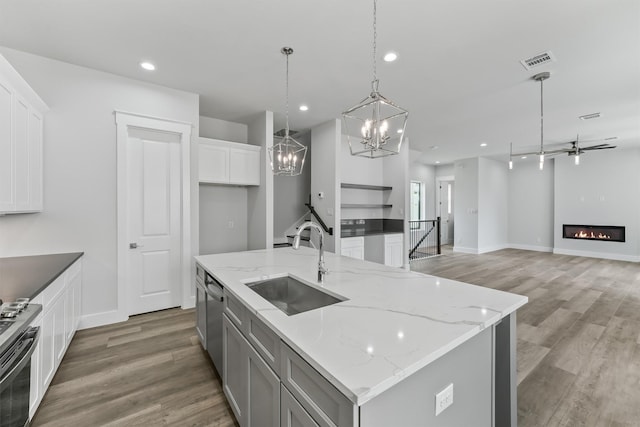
(234, 370)
(263, 392)
(292, 414)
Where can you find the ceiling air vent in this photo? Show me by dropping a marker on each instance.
(590, 116)
(281, 133)
(538, 60)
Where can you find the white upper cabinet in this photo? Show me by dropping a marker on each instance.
(223, 162)
(21, 124)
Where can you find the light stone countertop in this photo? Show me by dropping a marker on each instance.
(393, 323)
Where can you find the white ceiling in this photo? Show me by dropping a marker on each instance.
(458, 71)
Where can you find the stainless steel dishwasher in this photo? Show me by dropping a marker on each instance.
(215, 307)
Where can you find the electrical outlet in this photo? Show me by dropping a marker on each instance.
(230, 224)
(444, 399)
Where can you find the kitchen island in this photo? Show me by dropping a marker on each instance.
(397, 349)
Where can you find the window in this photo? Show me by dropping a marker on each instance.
(417, 202)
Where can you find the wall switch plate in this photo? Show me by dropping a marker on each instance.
(444, 399)
(230, 224)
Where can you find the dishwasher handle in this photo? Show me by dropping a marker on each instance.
(213, 288)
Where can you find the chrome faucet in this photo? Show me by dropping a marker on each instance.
(322, 270)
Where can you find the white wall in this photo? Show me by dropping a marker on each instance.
(445, 170)
(427, 174)
(531, 206)
(326, 177)
(290, 193)
(603, 190)
(492, 205)
(80, 167)
(223, 219)
(466, 206)
(222, 129)
(260, 199)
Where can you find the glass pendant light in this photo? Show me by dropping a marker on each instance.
(375, 126)
(287, 155)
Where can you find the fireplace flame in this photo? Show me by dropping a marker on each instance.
(591, 235)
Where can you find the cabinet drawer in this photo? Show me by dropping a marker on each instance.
(51, 292)
(326, 405)
(292, 414)
(235, 310)
(393, 238)
(265, 341)
(73, 271)
(200, 273)
(352, 242)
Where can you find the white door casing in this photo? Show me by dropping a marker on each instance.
(445, 185)
(153, 213)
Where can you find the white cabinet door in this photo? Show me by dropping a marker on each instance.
(213, 163)
(59, 337)
(35, 161)
(244, 167)
(352, 247)
(21, 153)
(20, 143)
(35, 391)
(47, 357)
(393, 250)
(7, 200)
(224, 162)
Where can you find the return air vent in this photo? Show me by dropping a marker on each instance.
(281, 133)
(538, 60)
(590, 116)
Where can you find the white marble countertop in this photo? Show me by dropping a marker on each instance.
(393, 323)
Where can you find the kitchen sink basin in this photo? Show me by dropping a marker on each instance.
(291, 295)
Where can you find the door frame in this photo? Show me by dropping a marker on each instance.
(124, 121)
(439, 181)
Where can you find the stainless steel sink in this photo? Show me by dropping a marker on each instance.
(291, 295)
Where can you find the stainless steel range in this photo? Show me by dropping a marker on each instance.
(17, 343)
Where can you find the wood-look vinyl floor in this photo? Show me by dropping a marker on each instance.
(578, 351)
(148, 371)
(578, 337)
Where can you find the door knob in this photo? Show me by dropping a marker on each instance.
(134, 246)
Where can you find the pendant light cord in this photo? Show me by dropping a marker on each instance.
(375, 36)
(286, 109)
(541, 116)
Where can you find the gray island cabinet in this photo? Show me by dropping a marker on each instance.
(397, 348)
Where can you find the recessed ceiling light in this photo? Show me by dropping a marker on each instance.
(146, 65)
(399, 131)
(437, 162)
(484, 144)
(390, 56)
(523, 157)
(304, 108)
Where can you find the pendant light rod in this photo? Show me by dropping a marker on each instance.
(375, 45)
(287, 51)
(541, 77)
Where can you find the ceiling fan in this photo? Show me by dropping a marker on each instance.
(574, 150)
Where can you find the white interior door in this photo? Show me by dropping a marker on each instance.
(154, 226)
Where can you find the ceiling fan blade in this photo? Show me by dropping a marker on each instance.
(596, 147)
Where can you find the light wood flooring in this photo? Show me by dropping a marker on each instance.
(578, 337)
(578, 351)
(148, 371)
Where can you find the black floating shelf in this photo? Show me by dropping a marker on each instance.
(366, 187)
(363, 205)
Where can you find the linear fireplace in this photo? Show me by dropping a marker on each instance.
(609, 233)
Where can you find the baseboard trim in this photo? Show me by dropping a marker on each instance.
(464, 250)
(530, 247)
(189, 302)
(603, 255)
(101, 319)
(492, 248)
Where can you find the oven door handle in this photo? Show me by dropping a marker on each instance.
(34, 333)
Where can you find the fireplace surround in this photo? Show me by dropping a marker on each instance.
(607, 233)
